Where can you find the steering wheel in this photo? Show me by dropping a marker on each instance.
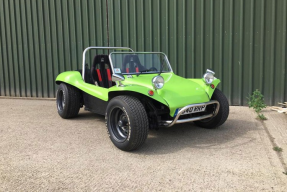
(152, 69)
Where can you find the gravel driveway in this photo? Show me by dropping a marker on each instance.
(39, 151)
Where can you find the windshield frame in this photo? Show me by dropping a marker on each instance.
(134, 53)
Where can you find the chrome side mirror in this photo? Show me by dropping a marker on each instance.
(117, 77)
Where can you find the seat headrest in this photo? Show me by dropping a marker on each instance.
(100, 59)
(131, 58)
(134, 59)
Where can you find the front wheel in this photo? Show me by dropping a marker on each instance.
(222, 114)
(126, 122)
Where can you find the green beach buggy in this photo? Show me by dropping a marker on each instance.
(138, 91)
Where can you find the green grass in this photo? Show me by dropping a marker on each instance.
(261, 117)
(278, 149)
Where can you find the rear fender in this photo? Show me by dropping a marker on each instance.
(74, 78)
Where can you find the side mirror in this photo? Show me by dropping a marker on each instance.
(117, 77)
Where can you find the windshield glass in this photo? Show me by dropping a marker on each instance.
(133, 63)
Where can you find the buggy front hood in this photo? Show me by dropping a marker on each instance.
(177, 91)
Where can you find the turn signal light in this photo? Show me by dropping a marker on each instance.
(212, 86)
(150, 92)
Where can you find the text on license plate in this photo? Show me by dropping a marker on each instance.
(194, 109)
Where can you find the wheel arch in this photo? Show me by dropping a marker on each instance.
(140, 96)
(152, 106)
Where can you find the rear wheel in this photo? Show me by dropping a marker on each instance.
(222, 114)
(68, 101)
(126, 122)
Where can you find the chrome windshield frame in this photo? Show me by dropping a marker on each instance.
(165, 57)
(105, 48)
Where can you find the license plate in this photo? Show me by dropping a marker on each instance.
(194, 109)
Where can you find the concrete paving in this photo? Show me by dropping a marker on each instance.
(276, 126)
(39, 151)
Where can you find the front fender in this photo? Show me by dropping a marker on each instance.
(139, 89)
(208, 89)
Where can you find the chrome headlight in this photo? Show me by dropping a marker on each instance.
(158, 82)
(208, 76)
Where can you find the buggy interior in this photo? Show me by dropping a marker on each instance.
(100, 73)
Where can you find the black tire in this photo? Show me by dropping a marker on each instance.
(126, 122)
(68, 101)
(222, 114)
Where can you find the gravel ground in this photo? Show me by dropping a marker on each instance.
(39, 151)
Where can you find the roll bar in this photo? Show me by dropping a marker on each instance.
(88, 48)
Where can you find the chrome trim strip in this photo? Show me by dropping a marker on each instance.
(88, 48)
(175, 120)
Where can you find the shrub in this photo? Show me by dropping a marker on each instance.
(256, 101)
